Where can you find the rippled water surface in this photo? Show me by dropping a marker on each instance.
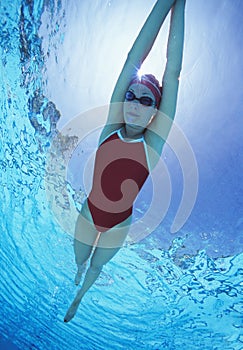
(181, 291)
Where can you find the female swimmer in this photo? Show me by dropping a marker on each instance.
(139, 120)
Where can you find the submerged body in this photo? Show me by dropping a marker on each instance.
(138, 123)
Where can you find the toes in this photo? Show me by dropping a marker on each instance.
(79, 274)
(77, 278)
(68, 317)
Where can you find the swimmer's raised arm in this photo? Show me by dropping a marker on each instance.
(137, 55)
(141, 47)
(162, 122)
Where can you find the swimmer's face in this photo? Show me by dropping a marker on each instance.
(137, 109)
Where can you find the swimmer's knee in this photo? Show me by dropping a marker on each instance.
(95, 268)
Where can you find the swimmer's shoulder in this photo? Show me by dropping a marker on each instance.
(108, 130)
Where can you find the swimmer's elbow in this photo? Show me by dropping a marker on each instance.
(172, 73)
(133, 60)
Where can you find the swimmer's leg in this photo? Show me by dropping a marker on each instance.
(85, 237)
(82, 253)
(100, 257)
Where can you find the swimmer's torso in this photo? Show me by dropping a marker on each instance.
(120, 171)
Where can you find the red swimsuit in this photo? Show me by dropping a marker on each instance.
(120, 171)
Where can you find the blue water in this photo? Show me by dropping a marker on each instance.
(168, 291)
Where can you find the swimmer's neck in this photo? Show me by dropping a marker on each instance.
(132, 132)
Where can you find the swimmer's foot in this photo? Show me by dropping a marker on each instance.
(81, 269)
(72, 310)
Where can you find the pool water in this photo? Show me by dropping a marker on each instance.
(167, 291)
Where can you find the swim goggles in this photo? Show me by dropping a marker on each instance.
(144, 100)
